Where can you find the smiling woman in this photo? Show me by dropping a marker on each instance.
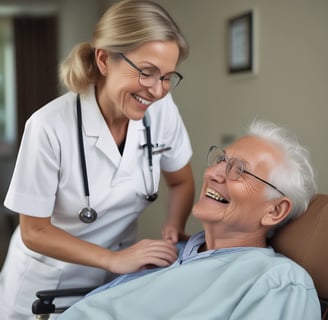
(78, 226)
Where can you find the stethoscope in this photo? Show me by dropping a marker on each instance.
(88, 214)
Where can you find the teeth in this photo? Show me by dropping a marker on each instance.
(215, 195)
(141, 100)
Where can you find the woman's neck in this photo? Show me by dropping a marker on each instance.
(116, 122)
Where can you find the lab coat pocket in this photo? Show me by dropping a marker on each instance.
(37, 276)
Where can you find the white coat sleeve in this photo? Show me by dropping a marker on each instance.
(35, 179)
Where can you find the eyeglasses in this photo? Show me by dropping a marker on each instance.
(234, 166)
(148, 76)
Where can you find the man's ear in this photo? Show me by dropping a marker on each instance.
(277, 211)
(102, 60)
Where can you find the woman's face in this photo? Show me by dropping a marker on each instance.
(119, 91)
(244, 201)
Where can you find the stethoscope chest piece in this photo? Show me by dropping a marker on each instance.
(151, 197)
(88, 215)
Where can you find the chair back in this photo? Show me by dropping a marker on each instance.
(305, 240)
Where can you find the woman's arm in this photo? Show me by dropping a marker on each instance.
(40, 235)
(181, 197)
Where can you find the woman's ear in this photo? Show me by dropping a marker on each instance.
(102, 61)
(277, 212)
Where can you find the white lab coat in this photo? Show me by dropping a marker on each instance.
(47, 181)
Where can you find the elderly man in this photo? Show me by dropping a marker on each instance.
(228, 271)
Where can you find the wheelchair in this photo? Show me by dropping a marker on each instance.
(303, 240)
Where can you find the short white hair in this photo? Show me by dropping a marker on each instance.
(295, 177)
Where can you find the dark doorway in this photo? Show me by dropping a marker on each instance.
(36, 65)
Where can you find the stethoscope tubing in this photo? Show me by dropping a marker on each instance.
(88, 214)
(81, 147)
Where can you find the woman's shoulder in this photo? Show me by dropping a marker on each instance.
(165, 112)
(60, 105)
(166, 105)
(57, 117)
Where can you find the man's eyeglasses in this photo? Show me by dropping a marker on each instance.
(234, 166)
(148, 76)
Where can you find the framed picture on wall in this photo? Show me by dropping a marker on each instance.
(240, 43)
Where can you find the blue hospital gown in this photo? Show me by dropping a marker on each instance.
(236, 283)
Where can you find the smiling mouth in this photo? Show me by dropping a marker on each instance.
(141, 100)
(210, 193)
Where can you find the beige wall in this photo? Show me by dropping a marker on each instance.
(291, 87)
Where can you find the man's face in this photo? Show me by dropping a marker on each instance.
(238, 205)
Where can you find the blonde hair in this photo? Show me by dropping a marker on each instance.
(125, 26)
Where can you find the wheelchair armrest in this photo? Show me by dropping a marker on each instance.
(44, 305)
(324, 308)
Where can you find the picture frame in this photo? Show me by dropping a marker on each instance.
(241, 43)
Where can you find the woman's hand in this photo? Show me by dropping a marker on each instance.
(41, 236)
(172, 234)
(158, 253)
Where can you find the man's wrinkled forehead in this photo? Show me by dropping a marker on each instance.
(255, 152)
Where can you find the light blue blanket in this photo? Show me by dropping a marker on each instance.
(235, 284)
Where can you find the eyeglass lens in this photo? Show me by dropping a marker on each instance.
(234, 166)
(149, 76)
(214, 156)
(234, 169)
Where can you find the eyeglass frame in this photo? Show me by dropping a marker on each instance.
(243, 170)
(162, 78)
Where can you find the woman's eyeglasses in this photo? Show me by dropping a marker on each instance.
(234, 166)
(148, 76)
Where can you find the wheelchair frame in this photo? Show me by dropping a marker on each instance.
(43, 307)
